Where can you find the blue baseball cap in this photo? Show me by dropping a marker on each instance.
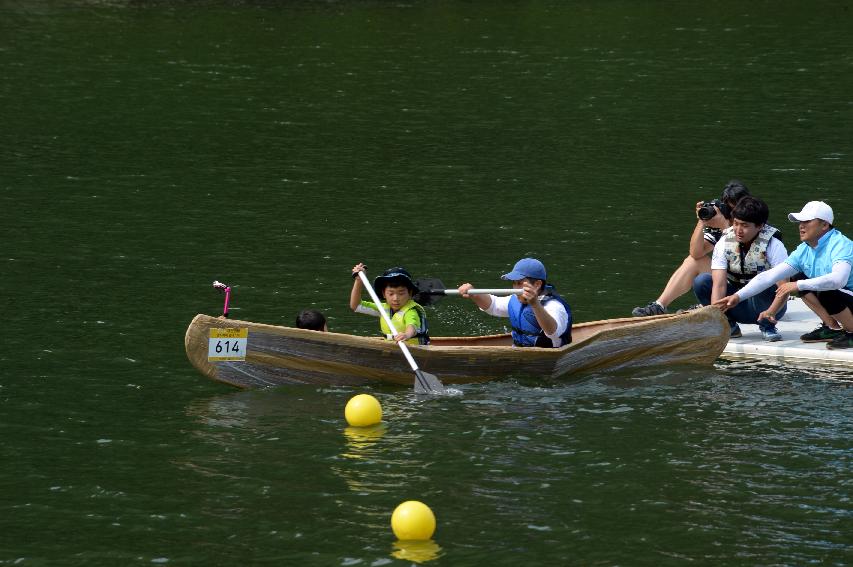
(526, 268)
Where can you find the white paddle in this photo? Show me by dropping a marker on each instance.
(425, 383)
(483, 291)
(431, 290)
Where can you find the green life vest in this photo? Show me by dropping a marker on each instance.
(742, 267)
(398, 318)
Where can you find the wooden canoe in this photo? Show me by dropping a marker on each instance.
(277, 355)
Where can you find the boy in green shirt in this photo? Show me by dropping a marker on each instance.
(396, 287)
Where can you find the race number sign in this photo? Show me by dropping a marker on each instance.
(227, 344)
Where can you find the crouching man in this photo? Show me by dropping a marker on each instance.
(748, 248)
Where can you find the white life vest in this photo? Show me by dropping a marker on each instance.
(742, 267)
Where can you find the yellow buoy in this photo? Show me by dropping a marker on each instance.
(363, 410)
(413, 521)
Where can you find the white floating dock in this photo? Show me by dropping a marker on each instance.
(797, 321)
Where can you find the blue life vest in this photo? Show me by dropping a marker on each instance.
(526, 331)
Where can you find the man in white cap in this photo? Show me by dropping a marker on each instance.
(823, 268)
(538, 316)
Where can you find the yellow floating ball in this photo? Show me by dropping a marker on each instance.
(363, 410)
(413, 521)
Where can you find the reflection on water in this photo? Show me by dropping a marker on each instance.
(787, 368)
(360, 440)
(228, 411)
(416, 551)
(380, 459)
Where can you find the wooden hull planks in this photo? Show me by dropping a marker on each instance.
(276, 355)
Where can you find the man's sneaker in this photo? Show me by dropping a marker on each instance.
(653, 308)
(821, 334)
(735, 334)
(771, 335)
(845, 340)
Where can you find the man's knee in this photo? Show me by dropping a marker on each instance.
(703, 280)
(702, 286)
(695, 266)
(835, 302)
(801, 276)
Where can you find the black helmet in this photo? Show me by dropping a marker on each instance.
(394, 276)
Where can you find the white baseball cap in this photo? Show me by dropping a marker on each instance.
(813, 210)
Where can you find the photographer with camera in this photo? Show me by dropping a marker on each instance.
(712, 218)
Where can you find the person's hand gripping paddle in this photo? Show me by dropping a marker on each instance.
(425, 383)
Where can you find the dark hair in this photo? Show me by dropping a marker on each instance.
(734, 191)
(311, 319)
(751, 209)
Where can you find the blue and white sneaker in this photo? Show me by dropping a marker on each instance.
(771, 335)
(736, 333)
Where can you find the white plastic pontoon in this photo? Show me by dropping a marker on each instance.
(797, 321)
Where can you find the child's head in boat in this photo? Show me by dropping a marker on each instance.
(396, 287)
(311, 319)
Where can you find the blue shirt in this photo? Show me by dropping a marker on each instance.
(831, 248)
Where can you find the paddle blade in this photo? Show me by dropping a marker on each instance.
(426, 383)
(430, 291)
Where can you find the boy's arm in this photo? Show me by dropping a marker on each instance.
(410, 332)
(355, 294)
(412, 321)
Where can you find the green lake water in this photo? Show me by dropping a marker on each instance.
(148, 148)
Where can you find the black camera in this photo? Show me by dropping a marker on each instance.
(706, 210)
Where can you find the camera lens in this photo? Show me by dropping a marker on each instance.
(706, 212)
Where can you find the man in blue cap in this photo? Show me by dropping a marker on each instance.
(538, 316)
